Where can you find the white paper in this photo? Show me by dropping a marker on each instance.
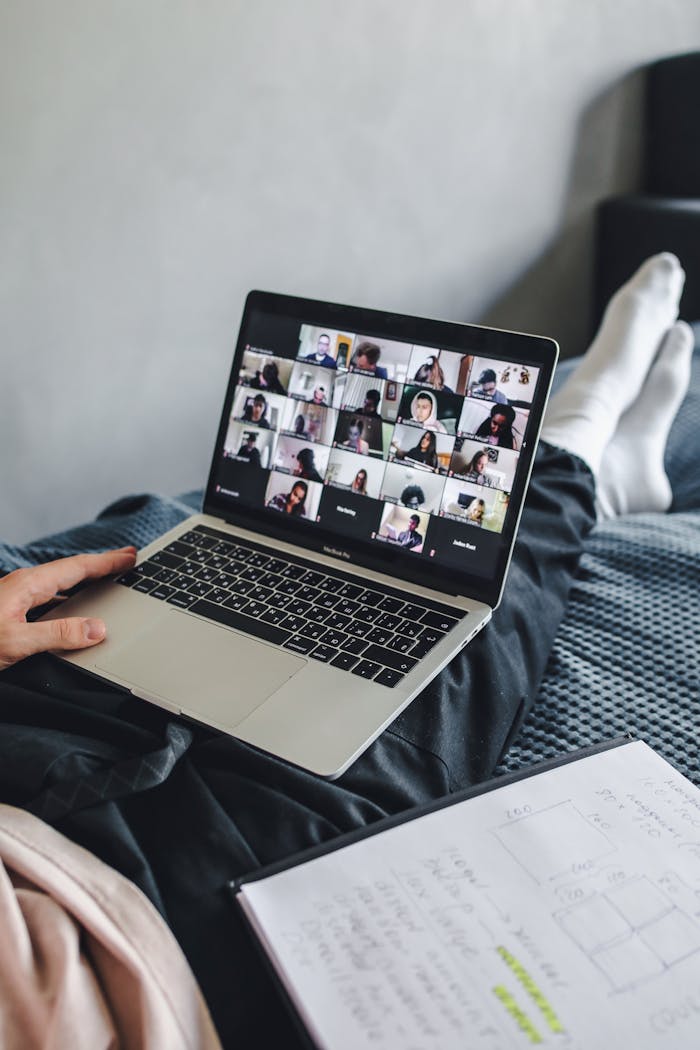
(563, 910)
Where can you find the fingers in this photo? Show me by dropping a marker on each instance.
(19, 640)
(26, 588)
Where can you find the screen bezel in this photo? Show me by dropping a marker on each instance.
(536, 351)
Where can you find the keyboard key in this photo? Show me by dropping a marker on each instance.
(350, 590)
(334, 638)
(144, 585)
(281, 601)
(258, 628)
(167, 575)
(206, 574)
(241, 587)
(368, 597)
(199, 588)
(410, 628)
(189, 568)
(218, 595)
(378, 635)
(299, 644)
(162, 591)
(439, 621)
(260, 594)
(356, 646)
(203, 540)
(183, 599)
(318, 615)
(313, 630)
(168, 561)
(324, 653)
(293, 571)
(274, 616)
(345, 661)
(312, 578)
(275, 565)
(387, 657)
(190, 537)
(413, 612)
(338, 622)
(251, 574)
(357, 629)
(366, 669)
(328, 601)
(201, 557)
(128, 579)
(429, 637)
(367, 614)
(401, 644)
(388, 621)
(391, 605)
(347, 607)
(293, 623)
(297, 608)
(258, 560)
(286, 586)
(179, 548)
(388, 677)
(308, 594)
(223, 579)
(224, 547)
(236, 602)
(255, 608)
(218, 561)
(331, 584)
(269, 579)
(146, 568)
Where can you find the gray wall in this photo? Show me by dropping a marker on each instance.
(161, 158)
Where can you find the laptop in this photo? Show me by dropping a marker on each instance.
(363, 501)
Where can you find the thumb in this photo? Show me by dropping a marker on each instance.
(72, 633)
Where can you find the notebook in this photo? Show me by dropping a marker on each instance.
(365, 489)
(557, 907)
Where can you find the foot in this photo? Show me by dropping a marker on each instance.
(632, 478)
(583, 416)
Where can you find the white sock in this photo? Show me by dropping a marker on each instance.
(632, 478)
(583, 415)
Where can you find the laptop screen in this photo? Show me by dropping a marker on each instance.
(352, 438)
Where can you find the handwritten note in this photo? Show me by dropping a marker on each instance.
(562, 910)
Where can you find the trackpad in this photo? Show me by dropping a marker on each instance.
(208, 671)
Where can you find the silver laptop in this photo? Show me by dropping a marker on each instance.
(363, 500)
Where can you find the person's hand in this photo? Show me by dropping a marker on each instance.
(25, 589)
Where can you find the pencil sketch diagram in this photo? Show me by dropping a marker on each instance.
(632, 932)
(555, 841)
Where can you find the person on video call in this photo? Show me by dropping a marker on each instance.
(366, 359)
(306, 466)
(431, 373)
(268, 379)
(424, 411)
(424, 452)
(477, 468)
(600, 456)
(319, 396)
(354, 440)
(256, 412)
(359, 483)
(293, 502)
(475, 512)
(486, 388)
(410, 537)
(497, 428)
(321, 355)
(371, 404)
(249, 450)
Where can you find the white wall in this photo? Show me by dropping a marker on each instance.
(159, 158)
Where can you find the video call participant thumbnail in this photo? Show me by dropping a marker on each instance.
(503, 425)
(366, 357)
(439, 369)
(430, 409)
(359, 434)
(324, 346)
(484, 464)
(502, 382)
(265, 372)
(425, 448)
(483, 507)
(293, 496)
(294, 455)
(260, 410)
(403, 527)
(355, 473)
(311, 383)
(249, 445)
(412, 488)
(321, 355)
(309, 421)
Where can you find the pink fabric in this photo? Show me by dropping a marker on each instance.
(85, 959)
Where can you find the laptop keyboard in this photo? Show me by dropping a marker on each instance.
(374, 633)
